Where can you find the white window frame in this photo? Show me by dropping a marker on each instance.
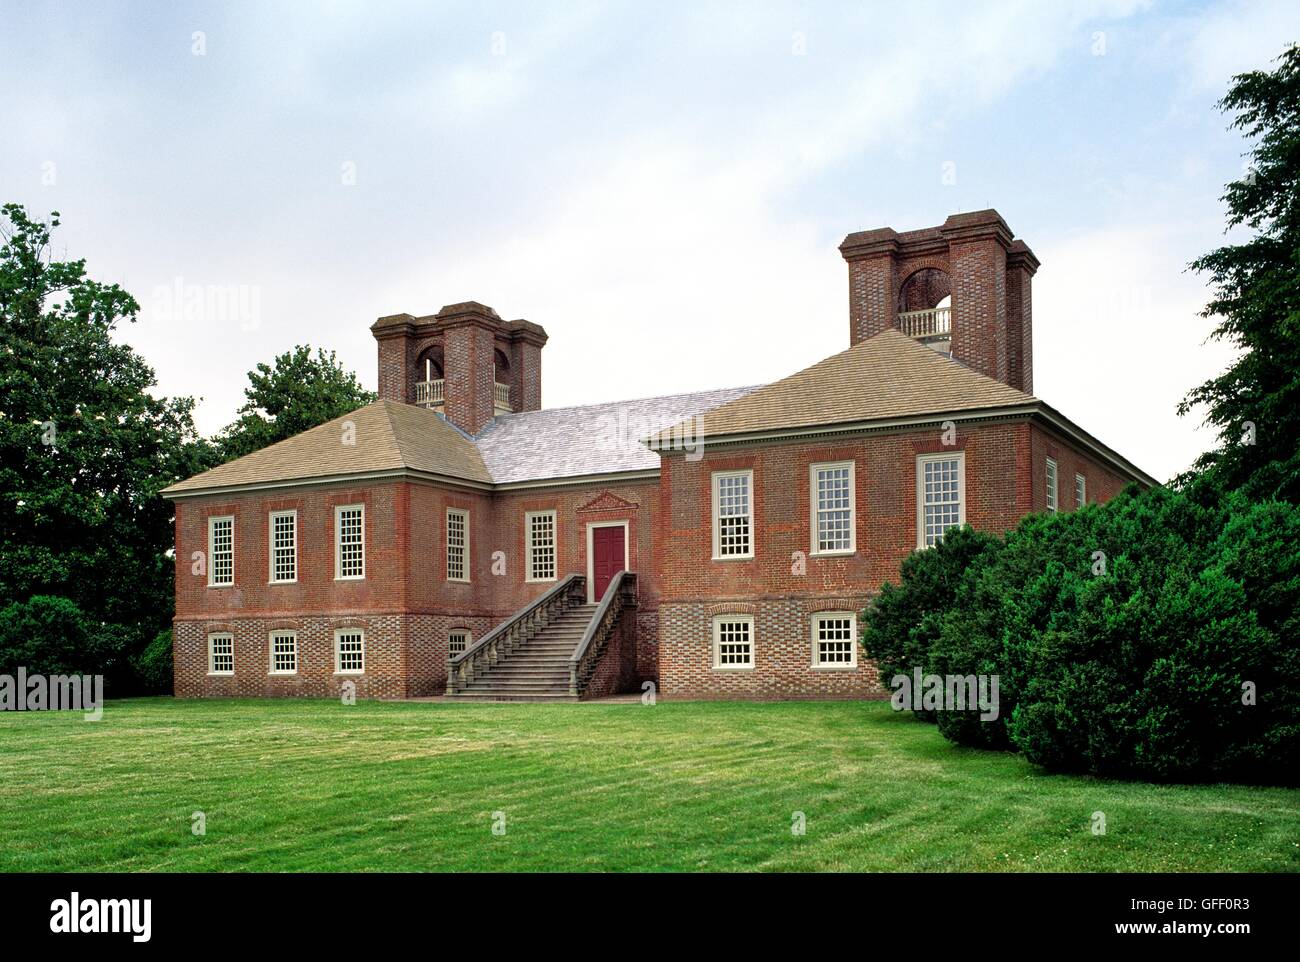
(463, 514)
(212, 551)
(271, 548)
(469, 640)
(212, 653)
(1080, 489)
(531, 547)
(718, 477)
(822, 616)
(271, 639)
(1051, 478)
(339, 511)
(814, 511)
(718, 622)
(921, 461)
(338, 651)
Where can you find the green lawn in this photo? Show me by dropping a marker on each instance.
(316, 785)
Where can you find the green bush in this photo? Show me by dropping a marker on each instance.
(905, 619)
(50, 635)
(153, 666)
(1125, 637)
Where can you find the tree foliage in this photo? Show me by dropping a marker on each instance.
(1169, 655)
(296, 392)
(1256, 297)
(84, 446)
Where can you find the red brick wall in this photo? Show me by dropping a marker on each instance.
(407, 606)
(979, 306)
(383, 589)
(406, 580)
(783, 585)
(1102, 483)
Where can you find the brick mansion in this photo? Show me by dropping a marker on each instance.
(456, 537)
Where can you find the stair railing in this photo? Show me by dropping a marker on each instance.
(498, 643)
(619, 596)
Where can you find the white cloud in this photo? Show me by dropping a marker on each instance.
(1118, 341)
(1236, 38)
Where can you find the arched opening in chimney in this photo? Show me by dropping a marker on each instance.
(925, 308)
(501, 379)
(429, 374)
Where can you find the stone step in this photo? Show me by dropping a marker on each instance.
(480, 697)
(538, 681)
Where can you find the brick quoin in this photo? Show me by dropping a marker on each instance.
(407, 608)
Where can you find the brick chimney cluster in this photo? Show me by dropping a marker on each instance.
(973, 259)
(464, 361)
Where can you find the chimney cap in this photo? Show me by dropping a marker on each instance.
(863, 242)
(1019, 255)
(468, 307)
(977, 223)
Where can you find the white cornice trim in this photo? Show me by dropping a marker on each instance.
(409, 474)
(1036, 409)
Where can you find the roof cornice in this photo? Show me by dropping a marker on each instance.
(1034, 410)
(411, 474)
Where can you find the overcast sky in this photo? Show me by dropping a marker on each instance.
(661, 185)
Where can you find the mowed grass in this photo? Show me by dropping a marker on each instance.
(316, 785)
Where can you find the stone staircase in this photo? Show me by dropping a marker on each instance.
(538, 669)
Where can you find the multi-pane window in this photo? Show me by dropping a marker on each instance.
(1080, 490)
(834, 640)
(1051, 485)
(457, 641)
(284, 652)
(350, 541)
(733, 514)
(540, 526)
(457, 544)
(940, 485)
(349, 651)
(733, 641)
(221, 653)
(832, 508)
(284, 546)
(221, 551)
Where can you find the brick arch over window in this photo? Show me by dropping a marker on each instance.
(924, 289)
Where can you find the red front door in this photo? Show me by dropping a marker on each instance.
(608, 557)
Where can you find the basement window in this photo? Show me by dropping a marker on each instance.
(221, 653)
(349, 651)
(284, 652)
(835, 639)
(733, 641)
(457, 641)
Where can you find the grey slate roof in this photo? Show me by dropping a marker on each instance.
(590, 439)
